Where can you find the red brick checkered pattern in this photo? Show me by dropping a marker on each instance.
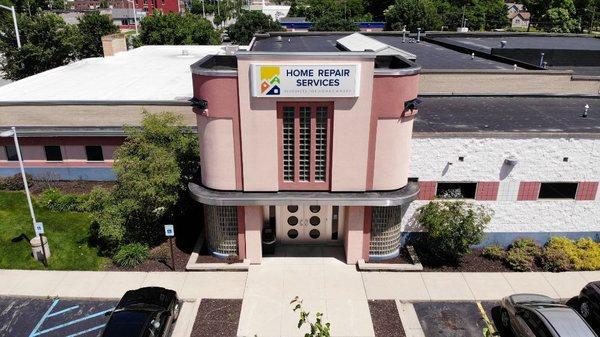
(487, 190)
(427, 190)
(529, 190)
(587, 190)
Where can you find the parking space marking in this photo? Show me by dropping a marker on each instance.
(36, 331)
(486, 319)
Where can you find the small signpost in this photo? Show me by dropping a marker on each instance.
(39, 230)
(170, 233)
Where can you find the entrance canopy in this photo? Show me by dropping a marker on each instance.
(237, 198)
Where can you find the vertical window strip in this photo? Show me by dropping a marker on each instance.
(304, 138)
(288, 144)
(321, 144)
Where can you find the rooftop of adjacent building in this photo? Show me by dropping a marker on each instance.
(487, 41)
(442, 115)
(145, 74)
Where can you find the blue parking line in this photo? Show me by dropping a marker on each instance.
(62, 311)
(88, 330)
(71, 322)
(41, 321)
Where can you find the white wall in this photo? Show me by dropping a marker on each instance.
(539, 159)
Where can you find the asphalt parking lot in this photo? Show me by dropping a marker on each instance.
(29, 317)
(458, 319)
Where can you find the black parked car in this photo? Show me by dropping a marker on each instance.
(145, 312)
(532, 315)
(589, 301)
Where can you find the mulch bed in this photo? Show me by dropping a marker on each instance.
(217, 318)
(204, 256)
(402, 258)
(160, 259)
(472, 262)
(72, 186)
(385, 317)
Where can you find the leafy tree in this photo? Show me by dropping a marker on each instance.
(452, 227)
(153, 167)
(560, 21)
(92, 26)
(104, 4)
(250, 23)
(553, 15)
(377, 8)
(333, 23)
(58, 4)
(351, 10)
(413, 14)
(297, 9)
(173, 29)
(47, 42)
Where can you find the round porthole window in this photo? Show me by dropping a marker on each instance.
(292, 221)
(292, 208)
(292, 233)
(314, 233)
(315, 208)
(315, 220)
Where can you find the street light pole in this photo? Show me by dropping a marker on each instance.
(14, 15)
(13, 132)
(134, 15)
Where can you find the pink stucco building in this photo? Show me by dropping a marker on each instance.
(308, 148)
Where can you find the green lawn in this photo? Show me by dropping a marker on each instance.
(67, 235)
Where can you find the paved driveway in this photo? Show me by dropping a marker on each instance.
(52, 317)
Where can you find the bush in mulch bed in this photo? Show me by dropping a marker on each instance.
(159, 259)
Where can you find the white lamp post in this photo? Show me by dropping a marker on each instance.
(134, 15)
(14, 15)
(13, 133)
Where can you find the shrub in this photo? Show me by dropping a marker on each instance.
(52, 199)
(528, 245)
(452, 227)
(559, 254)
(15, 183)
(519, 259)
(588, 253)
(494, 253)
(131, 255)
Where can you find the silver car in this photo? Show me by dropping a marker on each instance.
(532, 315)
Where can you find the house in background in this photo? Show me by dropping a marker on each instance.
(518, 16)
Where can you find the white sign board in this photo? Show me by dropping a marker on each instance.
(169, 230)
(39, 228)
(309, 80)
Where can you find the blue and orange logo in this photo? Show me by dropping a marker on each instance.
(270, 81)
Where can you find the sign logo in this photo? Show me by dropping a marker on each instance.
(270, 81)
(305, 80)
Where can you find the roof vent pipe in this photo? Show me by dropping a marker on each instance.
(418, 35)
(502, 44)
(404, 34)
(541, 59)
(472, 56)
(585, 111)
(279, 39)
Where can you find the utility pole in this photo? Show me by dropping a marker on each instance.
(14, 15)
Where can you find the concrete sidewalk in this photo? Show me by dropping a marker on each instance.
(112, 285)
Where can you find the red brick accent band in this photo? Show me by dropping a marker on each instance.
(427, 190)
(487, 190)
(587, 190)
(529, 191)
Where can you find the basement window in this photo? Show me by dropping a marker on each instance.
(558, 190)
(53, 153)
(456, 190)
(11, 153)
(94, 153)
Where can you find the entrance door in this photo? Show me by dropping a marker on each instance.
(304, 223)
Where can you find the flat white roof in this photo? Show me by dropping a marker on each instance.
(148, 73)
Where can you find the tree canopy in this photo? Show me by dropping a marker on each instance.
(174, 29)
(92, 27)
(250, 23)
(412, 14)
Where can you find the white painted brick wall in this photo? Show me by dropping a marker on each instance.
(539, 159)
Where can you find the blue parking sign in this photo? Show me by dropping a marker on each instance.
(39, 228)
(169, 230)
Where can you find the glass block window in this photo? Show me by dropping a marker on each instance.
(321, 144)
(385, 230)
(305, 143)
(305, 149)
(288, 143)
(221, 229)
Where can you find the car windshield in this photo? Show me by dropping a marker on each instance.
(127, 323)
(567, 323)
